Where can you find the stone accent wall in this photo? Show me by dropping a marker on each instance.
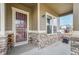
(3, 45)
(33, 38)
(46, 39)
(74, 45)
(42, 40)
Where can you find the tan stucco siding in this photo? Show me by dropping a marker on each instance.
(35, 18)
(43, 10)
(76, 16)
(8, 18)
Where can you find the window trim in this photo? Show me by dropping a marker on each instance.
(52, 24)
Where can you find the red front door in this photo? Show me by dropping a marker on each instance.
(21, 27)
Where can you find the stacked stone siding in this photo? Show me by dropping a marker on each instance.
(42, 39)
(46, 39)
(74, 45)
(3, 45)
(33, 39)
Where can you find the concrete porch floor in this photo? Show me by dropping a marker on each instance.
(57, 48)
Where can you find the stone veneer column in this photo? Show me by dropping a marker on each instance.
(3, 42)
(3, 45)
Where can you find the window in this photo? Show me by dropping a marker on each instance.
(51, 24)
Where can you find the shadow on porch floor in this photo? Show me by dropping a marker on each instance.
(20, 49)
(57, 48)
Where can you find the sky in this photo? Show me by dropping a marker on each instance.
(65, 20)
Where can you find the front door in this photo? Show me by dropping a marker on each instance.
(21, 27)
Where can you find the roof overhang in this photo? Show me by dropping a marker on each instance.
(60, 9)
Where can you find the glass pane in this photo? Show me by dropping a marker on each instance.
(48, 21)
(51, 22)
(54, 29)
(49, 29)
(22, 22)
(17, 21)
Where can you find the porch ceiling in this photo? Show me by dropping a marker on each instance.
(61, 8)
(30, 5)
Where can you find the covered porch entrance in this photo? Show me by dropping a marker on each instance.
(37, 24)
(20, 25)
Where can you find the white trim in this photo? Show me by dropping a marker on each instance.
(42, 31)
(21, 43)
(31, 31)
(50, 15)
(38, 11)
(46, 21)
(7, 32)
(2, 7)
(14, 10)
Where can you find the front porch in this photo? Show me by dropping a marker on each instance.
(40, 31)
(57, 48)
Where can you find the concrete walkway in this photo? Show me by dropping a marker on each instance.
(57, 48)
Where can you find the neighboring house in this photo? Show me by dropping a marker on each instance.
(36, 22)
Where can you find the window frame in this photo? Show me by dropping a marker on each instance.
(48, 14)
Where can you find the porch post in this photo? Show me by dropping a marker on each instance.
(2, 30)
(76, 16)
(38, 11)
(2, 7)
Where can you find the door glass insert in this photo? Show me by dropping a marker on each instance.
(21, 26)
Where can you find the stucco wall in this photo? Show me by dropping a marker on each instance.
(8, 21)
(76, 16)
(35, 18)
(43, 10)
